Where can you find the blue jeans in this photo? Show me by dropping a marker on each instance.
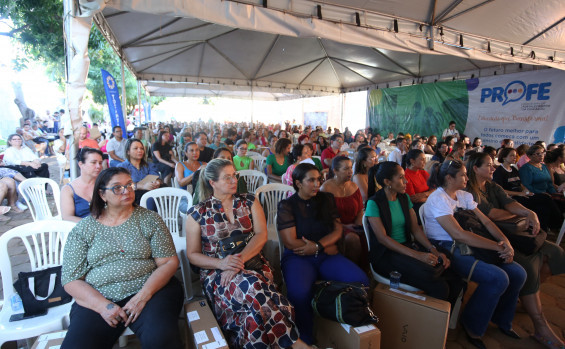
(496, 295)
(301, 272)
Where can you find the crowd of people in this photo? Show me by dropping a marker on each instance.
(409, 188)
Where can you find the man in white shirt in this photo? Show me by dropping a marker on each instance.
(116, 147)
(396, 154)
(450, 131)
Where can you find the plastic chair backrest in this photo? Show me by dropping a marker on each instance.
(259, 161)
(254, 179)
(281, 245)
(44, 242)
(167, 201)
(33, 191)
(269, 196)
(421, 213)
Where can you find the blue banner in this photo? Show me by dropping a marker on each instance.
(113, 98)
(147, 110)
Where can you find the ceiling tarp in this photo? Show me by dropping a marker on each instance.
(305, 47)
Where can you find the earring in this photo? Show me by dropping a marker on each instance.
(105, 204)
(390, 187)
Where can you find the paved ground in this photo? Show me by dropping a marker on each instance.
(552, 295)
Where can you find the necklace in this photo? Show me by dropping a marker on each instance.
(484, 192)
(120, 245)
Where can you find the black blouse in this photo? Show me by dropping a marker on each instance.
(303, 214)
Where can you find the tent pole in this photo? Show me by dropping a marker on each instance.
(252, 105)
(139, 102)
(124, 99)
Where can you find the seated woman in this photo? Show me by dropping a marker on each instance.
(441, 152)
(431, 145)
(317, 161)
(278, 162)
(499, 285)
(184, 170)
(271, 149)
(245, 301)
(457, 153)
(136, 165)
(554, 161)
(298, 154)
(77, 195)
(309, 227)
(507, 176)
(394, 228)
(417, 179)
(20, 158)
(118, 266)
(349, 203)
(497, 205)
(8, 191)
(364, 160)
(163, 156)
(241, 161)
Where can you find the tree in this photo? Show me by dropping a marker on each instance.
(38, 26)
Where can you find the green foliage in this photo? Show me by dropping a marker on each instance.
(38, 26)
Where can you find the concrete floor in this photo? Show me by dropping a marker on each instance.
(552, 296)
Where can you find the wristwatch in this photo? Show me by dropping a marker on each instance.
(319, 247)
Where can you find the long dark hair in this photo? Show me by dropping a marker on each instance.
(411, 155)
(97, 204)
(478, 160)
(440, 170)
(325, 207)
(378, 174)
(129, 143)
(360, 158)
(296, 152)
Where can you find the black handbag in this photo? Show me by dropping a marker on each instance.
(520, 235)
(40, 290)
(343, 302)
(469, 221)
(235, 244)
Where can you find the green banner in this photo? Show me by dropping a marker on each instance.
(424, 109)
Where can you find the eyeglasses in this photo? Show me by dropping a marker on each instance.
(122, 189)
(234, 178)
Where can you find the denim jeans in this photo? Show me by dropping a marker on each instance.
(496, 296)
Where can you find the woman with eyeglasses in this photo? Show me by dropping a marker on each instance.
(309, 227)
(241, 161)
(239, 285)
(77, 195)
(497, 205)
(118, 266)
(534, 175)
(499, 285)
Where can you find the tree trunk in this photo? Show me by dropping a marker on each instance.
(27, 113)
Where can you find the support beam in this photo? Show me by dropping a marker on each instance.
(139, 102)
(466, 11)
(124, 99)
(545, 30)
(447, 11)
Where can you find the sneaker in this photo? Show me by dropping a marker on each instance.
(21, 206)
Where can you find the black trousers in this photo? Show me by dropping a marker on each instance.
(549, 213)
(156, 326)
(30, 172)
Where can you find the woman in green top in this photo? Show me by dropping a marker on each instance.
(118, 265)
(278, 162)
(241, 161)
(394, 227)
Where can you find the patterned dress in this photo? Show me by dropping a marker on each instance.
(250, 308)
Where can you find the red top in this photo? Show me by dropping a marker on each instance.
(417, 181)
(328, 153)
(349, 206)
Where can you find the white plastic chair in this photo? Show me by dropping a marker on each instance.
(561, 232)
(33, 191)
(378, 277)
(44, 242)
(269, 196)
(167, 201)
(259, 161)
(254, 179)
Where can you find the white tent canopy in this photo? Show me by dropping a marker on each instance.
(277, 49)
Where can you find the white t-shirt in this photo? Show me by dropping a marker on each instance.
(13, 156)
(119, 148)
(439, 204)
(396, 156)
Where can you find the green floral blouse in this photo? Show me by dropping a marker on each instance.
(118, 260)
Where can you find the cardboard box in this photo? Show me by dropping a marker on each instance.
(50, 340)
(409, 320)
(331, 334)
(203, 327)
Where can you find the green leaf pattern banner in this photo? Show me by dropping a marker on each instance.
(525, 107)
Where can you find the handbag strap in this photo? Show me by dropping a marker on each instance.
(472, 267)
(31, 285)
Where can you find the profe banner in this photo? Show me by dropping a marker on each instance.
(525, 107)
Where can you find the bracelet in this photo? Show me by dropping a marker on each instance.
(318, 248)
(432, 248)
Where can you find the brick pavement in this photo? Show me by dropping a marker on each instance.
(552, 294)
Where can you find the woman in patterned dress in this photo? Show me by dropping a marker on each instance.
(246, 302)
(118, 265)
